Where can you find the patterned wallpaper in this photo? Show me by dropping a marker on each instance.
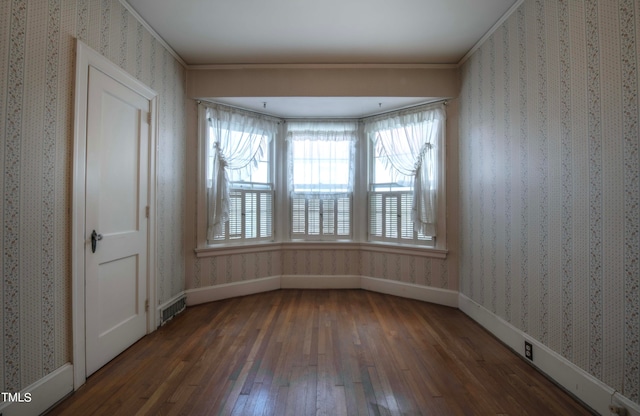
(550, 181)
(420, 270)
(37, 67)
(217, 270)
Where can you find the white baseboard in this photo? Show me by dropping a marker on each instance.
(575, 380)
(319, 282)
(407, 290)
(231, 290)
(390, 287)
(43, 394)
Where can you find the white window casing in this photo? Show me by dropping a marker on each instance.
(363, 212)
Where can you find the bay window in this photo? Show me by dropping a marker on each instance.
(264, 179)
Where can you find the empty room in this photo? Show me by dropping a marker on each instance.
(344, 207)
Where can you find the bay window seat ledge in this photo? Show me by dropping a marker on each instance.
(378, 247)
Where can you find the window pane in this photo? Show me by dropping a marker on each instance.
(259, 173)
(320, 166)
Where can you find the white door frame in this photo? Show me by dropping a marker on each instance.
(86, 57)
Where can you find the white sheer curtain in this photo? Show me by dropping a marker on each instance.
(235, 142)
(407, 143)
(321, 157)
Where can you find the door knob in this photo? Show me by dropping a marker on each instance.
(95, 237)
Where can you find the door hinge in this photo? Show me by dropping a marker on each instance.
(146, 305)
(149, 117)
(146, 211)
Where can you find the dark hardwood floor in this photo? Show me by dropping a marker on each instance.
(319, 352)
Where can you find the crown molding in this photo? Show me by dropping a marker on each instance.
(487, 35)
(318, 66)
(153, 33)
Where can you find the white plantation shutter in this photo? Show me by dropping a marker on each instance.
(266, 215)
(250, 216)
(299, 216)
(343, 215)
(375, 215)
(321, 218)
(313, 216)
(406, 224)
(235, 215)
(328, 217)
(390, 218)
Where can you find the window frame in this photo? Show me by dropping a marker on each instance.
(203, 243)
(439, 242)
(323, 197)
(245, 188)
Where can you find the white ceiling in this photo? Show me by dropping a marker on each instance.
(220, 32)
(321, 31)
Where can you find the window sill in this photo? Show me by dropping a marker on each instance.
(238, 248)
(376, 247)
(414, 250)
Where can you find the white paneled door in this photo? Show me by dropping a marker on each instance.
(116, 218)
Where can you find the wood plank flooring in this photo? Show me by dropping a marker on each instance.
(319, 352)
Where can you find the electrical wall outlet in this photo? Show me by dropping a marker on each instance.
(528, 350)
(617, 410)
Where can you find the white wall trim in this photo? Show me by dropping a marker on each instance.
(593, 392)
(390, 287)
(435, 295)
(44, 393)
(320, 282)
(486, 36)
(231, 290)
(204, 67)
(85, 58)
(375, 247)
